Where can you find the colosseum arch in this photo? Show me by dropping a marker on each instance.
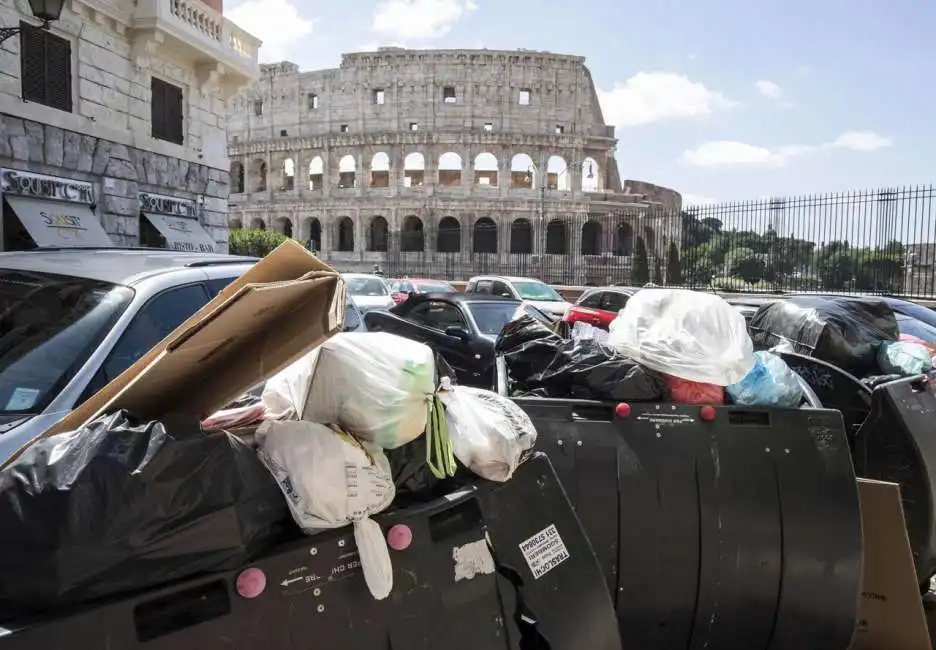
(237, 177)
(521, 236)
(316, 173)
(380, 170)
(347, 172)
(235, 224)
(592, 236)
(413, 235)
(346, 235)
(414, 170)
(289, 174)
(257, 224)
(485, 236)
(378, 235)
(312, 233)
(284, 225)
(591, 175)
(623, 239)
(557, 174)
(557, 237)
(485, 169)
(522, 172)
(450, 169)
(649, 237)
(258, 176)
(448, 239)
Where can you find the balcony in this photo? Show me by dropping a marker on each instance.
(221, 50)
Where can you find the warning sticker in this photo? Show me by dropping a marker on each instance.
(544, 551)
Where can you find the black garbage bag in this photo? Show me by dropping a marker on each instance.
(121, 505)
(842, 330)
(521, 331)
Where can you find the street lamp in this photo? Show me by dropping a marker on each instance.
(48, 11)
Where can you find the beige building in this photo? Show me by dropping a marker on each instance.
(112, 123)
(442, 161)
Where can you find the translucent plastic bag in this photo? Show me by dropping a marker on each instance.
(582, 331)
(770, 383)
(688, 334)
(331, 479)
(904, 358)
(286, 392)
(490, 434)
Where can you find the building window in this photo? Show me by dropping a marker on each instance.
(525, 94)
(345, 128)
(45, 61)
(283, 133)
(167, 114)
(489, 126)
(448, 95)
(379, 96)
(313, 101)
(560, 129)
(413, 126)
(258, 107)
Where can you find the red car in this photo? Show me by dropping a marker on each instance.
(599, 306)
(401, 289)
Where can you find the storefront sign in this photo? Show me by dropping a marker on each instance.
(169, 205)
(40, 186)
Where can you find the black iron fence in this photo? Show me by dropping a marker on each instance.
(878, 241)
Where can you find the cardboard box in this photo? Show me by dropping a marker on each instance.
(891, 613)
(284, 306)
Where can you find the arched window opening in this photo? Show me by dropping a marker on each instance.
(591, 238)
(485, 169)
(289, 174)
(347, 172)
(521, 236)
(316, 173)
(522, 172)
(414, 170)
(557, 238)
(413, 237)
(448, 239)
(485, 236)
(380, 170)
(450, 169)
(379, 231)
(346, 235)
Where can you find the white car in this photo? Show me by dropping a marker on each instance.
(528, 290)
(368, 291)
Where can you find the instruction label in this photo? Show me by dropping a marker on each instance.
(544, 551)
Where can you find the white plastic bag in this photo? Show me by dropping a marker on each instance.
(286, 392)
(582, 331)
(330, 479)
(688, 334)
(490, 434)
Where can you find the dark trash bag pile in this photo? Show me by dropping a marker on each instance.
(541, 363)
(122, 505)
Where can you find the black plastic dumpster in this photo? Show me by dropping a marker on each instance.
(716, 527)
(448, 593)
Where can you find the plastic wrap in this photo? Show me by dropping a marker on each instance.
(521, 331)
(770, 383)
(904, 358)
(686, 391)
(688, 334)
(582, 331)
(331, 479)
(490, 434)
(119, 506)
(843, 331)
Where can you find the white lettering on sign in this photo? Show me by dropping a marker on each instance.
(171, 205)
(41, 186)
(544, 551)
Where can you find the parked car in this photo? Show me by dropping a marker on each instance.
(531, 290)
(461, 328)
(400, 290)
(368, 291)
(353, 318)
(74, 319)
(599, 306)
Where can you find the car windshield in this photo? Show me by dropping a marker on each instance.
(366, 287)
(919, 312)
(49, 325)
(490, 317)
(435, 287)
(530, 290)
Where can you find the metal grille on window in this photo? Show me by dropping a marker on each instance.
(45, 61)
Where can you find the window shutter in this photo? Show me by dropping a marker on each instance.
(175, 122)
(45, 64)
(167, 112)
(58, 72)
(158, 108)
(33, 64)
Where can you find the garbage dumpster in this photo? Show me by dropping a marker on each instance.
(720, 527)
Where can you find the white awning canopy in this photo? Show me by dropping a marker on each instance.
(182, 234)
(58, 223)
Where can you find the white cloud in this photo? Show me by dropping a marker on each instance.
(768, 89)
(649, 97)
(419, 19)
(731, 153)
(278, 23)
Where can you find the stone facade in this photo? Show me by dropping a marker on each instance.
(501, 153)
(117, 48)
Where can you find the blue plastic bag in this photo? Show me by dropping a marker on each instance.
(769, 383)
(904, 358)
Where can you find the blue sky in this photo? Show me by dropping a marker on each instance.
(721, 100)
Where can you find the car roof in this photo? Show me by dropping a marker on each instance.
(362, 275)
(421, 280)
(508, 278)
(460, 298)
(114, 265)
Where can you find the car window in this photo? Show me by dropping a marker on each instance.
(472, 286)
(437, 315)
(534, 290)
(501, 289)
(152, 324)
(490, 317)
(434, 287)
(484, 286)
(367, 287)
(352, 318)
(215, 286)
(592, 300)
(613, 301)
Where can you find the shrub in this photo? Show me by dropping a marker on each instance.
(253, 242)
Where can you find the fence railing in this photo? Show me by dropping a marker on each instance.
(878, 241)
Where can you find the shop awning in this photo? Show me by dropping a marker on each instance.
(57, 223)
(182, 234)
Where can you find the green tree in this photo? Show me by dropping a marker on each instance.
(673, 268)
(640, 272)
(746, 264)
(253, 242)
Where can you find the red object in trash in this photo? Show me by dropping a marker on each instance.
(683, 391)
(707, 413)
(623, 409)
(251, 583)
(399, 537)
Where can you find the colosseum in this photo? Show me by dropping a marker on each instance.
(444, 163)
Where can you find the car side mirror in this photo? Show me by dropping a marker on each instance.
(457, 332)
